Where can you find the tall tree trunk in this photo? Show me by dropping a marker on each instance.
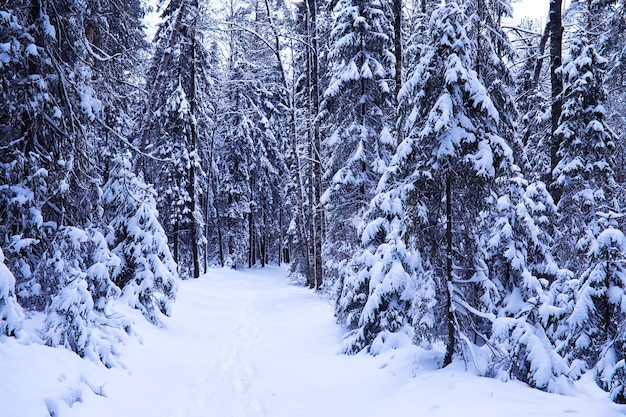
(251, 234)
(556, 42)
(231, 231)
(218, 224)
(207, 230)
(264, 242)
(316, 207)
(280, 237)
(192, 150)
(175, 250)
(449, 274)
(301, 215)
(195, 252)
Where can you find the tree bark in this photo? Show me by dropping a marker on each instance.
(218, 224)
(304, 241)
(251, 255)
(193, 143)
(175, 243)
(317, 217)
(556, 42)
(449, 274)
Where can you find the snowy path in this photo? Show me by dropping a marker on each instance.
(246, 344)
(243, 345)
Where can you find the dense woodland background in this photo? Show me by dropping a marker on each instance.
(443, 176)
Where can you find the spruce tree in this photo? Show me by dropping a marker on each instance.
(451, 126)
(357, 103)
(147, 274)
(583, 175)
(173, 138)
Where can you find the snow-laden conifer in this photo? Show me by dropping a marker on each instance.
(82, 316)
(147, 272)
(11, 314)
(376, 301)
(451, 125)
(355, 110)
(584, 175)
(593, 318)
(521, 266)
(170, 131)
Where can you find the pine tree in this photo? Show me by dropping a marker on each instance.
(386, 275)
(533, 128)
(590, 332)
(601, 296)
(451, 125)
(494, 51)
(176, 81)
(522, 267)
(609, 20)
(584, 174)
(147, 273)
(357, 102)
(80, 316)
(58, 75)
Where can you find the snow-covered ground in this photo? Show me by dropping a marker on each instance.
(243, 344)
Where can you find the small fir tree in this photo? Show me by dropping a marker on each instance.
(147, 273)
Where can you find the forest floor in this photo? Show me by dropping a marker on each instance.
(246, 343)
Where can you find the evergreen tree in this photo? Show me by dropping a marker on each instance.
(11, 314)
(80, 316)
(601, 295)
(357, 102)
(589, 333)
(451, 126)
(494, 50)
(176, 81)
(60, 71)
(533, 129)
(522, 267)
(251, 138)
(609, 18)
(384, 279)
(584, 174)
(147, 273)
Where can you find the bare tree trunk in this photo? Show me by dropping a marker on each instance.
(556, 42)
(317, 214)
(280, 237)
(218, 224)
(301, 216)
(207, 231)
(231, 230)
(251, 240)
(175, 250)
(264, 242)
(195, 256)
(192, 150)
(449, 274)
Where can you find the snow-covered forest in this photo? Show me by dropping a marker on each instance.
(449, 179)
